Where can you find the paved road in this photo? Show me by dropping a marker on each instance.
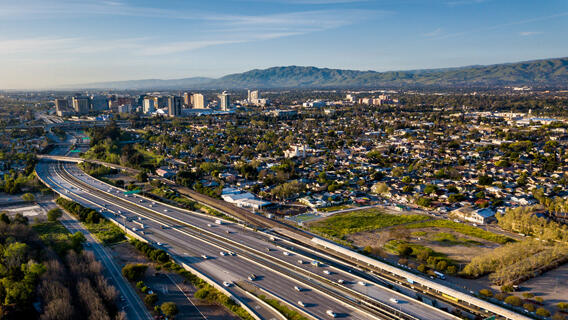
(133, 306)
(184, 243)
(259, 242)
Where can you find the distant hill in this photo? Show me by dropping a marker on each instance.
(548, 72)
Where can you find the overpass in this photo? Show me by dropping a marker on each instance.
(80, 160)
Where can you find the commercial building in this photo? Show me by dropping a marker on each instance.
(149, 105)
(174, 106)
(81, 105)
(187, 99)
(99, 103)
(198, 101)
(224, 101)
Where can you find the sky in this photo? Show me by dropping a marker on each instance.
(52, 43)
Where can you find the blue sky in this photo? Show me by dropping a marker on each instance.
(47, 43)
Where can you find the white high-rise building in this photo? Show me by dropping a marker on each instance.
(149, 105)
(253, 96)
(224, 101)
(198, 101)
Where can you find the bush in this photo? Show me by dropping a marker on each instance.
(507, 288)
(513, 300)
(202, 293)
(542, 312)
(421, 268)
(488, 293)
(54, 214)
(133, 271)
(500, 296)
(451, 270)
(151, 299)
(539, 299)
(441, 265)
(529, 306)
(28, 197)
(562, 306)
(404, 249)
(169, 309)
(140, 284)
(157, 255)
(558, 316)
(528, 295)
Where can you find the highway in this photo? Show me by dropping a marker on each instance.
(250, 246)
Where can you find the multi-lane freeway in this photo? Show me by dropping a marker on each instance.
(229, 253)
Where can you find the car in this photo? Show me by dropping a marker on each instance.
(165, 210)
(231, 253)
(252, 277)
(394, 300)
(222, 253)
(299, 289)
(331, 313)
(140, 218)
(141, 200)
(340, 281)
(228, 232)
(227, 284)
(327, 272)
(209, 225)
(362, 283)
(301, 303)
(159, 243)
(204, 256)
(134, 229)
(286, 253)
(301, 261)
(268, 250)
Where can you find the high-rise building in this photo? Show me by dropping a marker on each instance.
(187, 98)
(161, 102)
(198, 101)
(224, 101)
(99, 103)
(174, 106)
(253, 96)
(149, 105)
(81, 105)
(61, 104)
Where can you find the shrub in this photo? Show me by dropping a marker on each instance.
(562, 306)
(169, 309)
(542, 312)
(507, 288)
(54, 214)
(151, 299)
(403, 261)
(28, 197)
(513, 300)
(140, 284)
(202, 293)
(529, 306)
(451, 270)
(421, 268)
(404, 249)
(441, 265)
(528, 295)
(558, 316)
(133, 271)
(486, 293)
(539, 299)
(500, 296)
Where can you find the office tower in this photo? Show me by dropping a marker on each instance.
(253, 96)
(174, 106)
(161, 102)
(224, 101)
(149, 105)
(61, 105)
(187, 98)
(81, 105)
(198, 101)
(99, 103)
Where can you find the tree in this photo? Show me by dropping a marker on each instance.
(170, 309)
(486, 293)
(54, 214)
(4, 218)
(542, 312)
(133, 271)
(404, 249)
(28, 197)
(513, 300)
(151, 299)
(380, 188)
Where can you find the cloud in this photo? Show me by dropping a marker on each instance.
(529, 33)
(434, 33)
(464, 2)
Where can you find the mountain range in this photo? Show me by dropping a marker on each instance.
(541, 73)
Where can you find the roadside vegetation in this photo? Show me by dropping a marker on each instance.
(287, 312)
(103, 229)
(461, 228)
(342, 224)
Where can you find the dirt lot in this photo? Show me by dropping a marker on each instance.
(170, 287)
(461, 250)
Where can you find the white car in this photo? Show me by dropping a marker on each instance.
(301, 303)
(204, 256)
(299, 289)
(341, 281)
(301, 261)
(227, 284)
(393, 300)
(327, 272)
(165, 210)
(222, 253)
(159, 243)
(362, 283)
(286, 253)
(331, 313)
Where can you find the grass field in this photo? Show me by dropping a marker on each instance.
(346, 223)
(392, 246)
(55, 235)
(106, 231)
(461, 228)
(450, 239)
(335, 208)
